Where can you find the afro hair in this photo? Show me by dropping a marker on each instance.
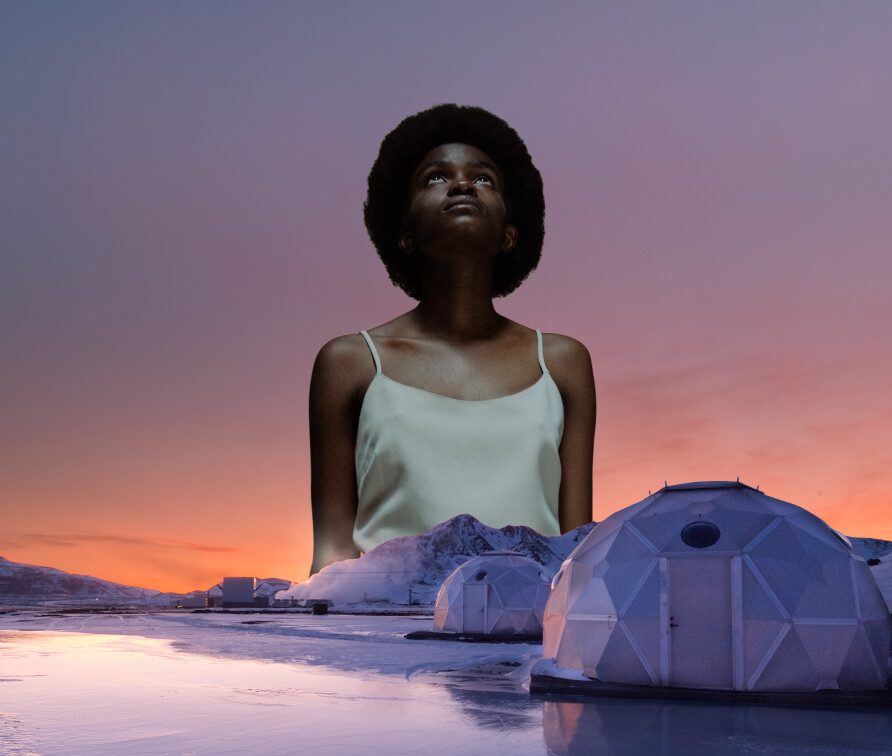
(399, 156)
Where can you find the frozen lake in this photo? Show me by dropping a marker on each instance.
(176, 683)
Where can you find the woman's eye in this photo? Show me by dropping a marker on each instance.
(483, 180)
(434, 178)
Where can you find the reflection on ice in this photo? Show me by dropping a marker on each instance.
(612, 726)
(217, 684)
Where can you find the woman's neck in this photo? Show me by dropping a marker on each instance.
(458, 314)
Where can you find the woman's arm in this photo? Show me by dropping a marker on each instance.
(571, 367)
(341, 374)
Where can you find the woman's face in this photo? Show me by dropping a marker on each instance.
(457, 190)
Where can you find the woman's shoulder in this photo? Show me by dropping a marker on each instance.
(568, 361)
(343, 350)
(564, 350)
(345, 361)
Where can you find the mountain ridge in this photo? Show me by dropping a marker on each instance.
(411, 569)
(389, 572)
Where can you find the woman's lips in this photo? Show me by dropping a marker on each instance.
(464, 202)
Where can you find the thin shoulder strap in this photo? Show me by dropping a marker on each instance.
(541, 353)
(368, 340)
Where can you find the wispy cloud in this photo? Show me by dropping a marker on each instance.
(80, 539)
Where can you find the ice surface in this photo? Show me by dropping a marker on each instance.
(220, 683)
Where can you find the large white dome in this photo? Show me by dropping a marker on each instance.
(716, 585)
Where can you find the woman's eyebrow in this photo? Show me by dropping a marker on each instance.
(443, 163)
(432, 164)
(485, 164)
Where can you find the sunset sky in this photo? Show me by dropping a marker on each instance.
(181, 190)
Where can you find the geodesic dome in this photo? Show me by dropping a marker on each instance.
(499, 592)
(716, 585)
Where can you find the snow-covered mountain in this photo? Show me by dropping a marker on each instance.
(421, 563)
(871, 548)
(29, 581)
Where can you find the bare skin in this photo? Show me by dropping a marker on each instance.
(453, 343)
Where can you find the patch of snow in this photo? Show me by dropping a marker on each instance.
(546, 666)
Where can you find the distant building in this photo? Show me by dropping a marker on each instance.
(215, 596)
(198, 601)
(238, 592)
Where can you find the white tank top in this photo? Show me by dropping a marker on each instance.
(422, 458)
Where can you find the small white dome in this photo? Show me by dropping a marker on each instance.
(499, 592)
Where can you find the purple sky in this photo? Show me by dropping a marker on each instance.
(180, 231)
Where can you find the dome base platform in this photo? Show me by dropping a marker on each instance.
(599, 689)
(474, 637)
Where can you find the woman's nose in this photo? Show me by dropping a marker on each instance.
(462, 186)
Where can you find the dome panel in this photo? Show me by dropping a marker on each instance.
(789, 668)
(620, 662)
(762, 622)
(831, 595)
(759, 636)
(583, 639)
(819, 546)
(532, 625)
(642, 618)
(861, 669)
(594, 598)
(758, 598)
(827, 646)
(628, 547)
(775, 555)
(878, 636)
(593, 550)
(557, 601)
(698, 509)
(663, 530)
(740, 526)
(870, 599)
(514, 621)
(645, 601)
(578, 575)
(814, 526)
(784, 581)
(622, 580)
(553, 635)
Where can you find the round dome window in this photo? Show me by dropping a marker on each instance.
(699, 535)
(480, 575)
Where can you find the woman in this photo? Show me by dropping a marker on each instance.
(450, 408)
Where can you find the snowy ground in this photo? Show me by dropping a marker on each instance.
(180, 683)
